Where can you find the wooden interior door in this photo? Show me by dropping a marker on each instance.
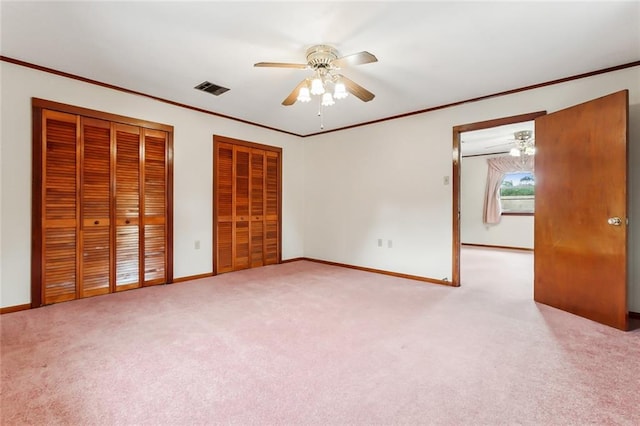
(127, 208)
(102, 195)
(580, 252)
(247, 192)
(272, 209)
(95, 206)
(155, 202)
(257, 207)
(223, 208)
(241, 217)
(60, 207)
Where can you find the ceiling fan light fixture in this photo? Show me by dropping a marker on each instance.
(317, 88)
(327, 99)
(525, 147)
(303, 94)
(328, 86)
(340, 91)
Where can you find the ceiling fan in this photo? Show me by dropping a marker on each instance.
(324, 61)
(524, 145)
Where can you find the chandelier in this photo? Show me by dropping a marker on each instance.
(322, 83)
(525, 147)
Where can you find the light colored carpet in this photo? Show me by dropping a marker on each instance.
(310, 344)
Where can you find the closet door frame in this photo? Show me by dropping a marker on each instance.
(217, 139)
(37, 107)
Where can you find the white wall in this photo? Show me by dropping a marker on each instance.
(193, 153)
(382, 182)
(512, 231)
(385, 180)
(342, 191)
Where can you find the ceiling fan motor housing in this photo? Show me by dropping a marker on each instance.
(321, 56)
(523, 135)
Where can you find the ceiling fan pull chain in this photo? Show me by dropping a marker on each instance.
(321, 116)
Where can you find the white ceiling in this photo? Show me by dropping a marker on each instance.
(494, 140)
(429, 53)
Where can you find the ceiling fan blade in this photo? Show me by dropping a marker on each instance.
(505, 144)
(280, 65)
(293, 96)
(356, 90)
(354, 59)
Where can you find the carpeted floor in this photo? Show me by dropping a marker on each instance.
(309, 344)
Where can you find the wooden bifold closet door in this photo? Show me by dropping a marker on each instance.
(127, 207)
(95, 196)
(101, 204)
(246, 205)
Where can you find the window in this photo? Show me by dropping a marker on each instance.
(505, 169)
(517, 193)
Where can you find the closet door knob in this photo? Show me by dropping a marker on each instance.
(97, 222)
(127, 221)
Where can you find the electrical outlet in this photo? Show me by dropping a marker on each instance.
(446, 180)
(197, 244)
(379, 242)
(390, 243)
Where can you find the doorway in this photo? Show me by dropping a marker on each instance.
(501, 156)
(458, 131)
(581, 221)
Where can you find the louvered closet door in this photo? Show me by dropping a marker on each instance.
(247, 205)
(241, 219)
(155, 201)
(101, 198)
(257, 207)
(95, 229)
(224, 207)
(60, 209)
(127, 207)
(272, 209)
